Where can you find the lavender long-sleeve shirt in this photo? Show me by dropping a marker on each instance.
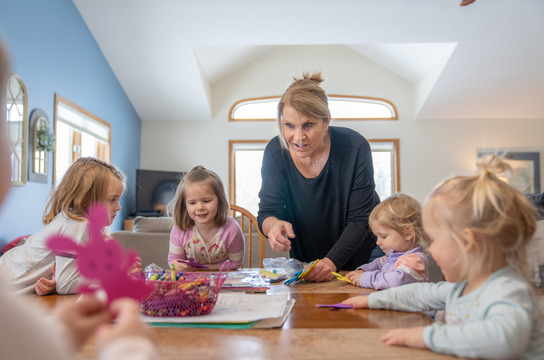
(398, 268)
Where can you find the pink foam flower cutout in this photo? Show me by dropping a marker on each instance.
(102, 261)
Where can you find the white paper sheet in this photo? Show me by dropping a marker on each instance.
(235, 307)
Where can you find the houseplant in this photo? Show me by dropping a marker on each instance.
(46, 138)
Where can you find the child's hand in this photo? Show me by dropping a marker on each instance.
(136, 266)
(355, 277)
(181, 267)
(412, 337)
(127, 324)
(358, 302)
(46, 286)
(82, 317)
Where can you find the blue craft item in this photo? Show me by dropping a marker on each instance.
(301, 274)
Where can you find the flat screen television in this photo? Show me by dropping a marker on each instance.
(154, 190)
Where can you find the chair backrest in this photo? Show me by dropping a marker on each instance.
(252, 233)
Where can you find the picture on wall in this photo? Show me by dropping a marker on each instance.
(525, 169)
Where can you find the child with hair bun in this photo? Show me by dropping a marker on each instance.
(397, 224)
(479, 229)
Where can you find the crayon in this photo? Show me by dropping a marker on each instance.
(163, 275)
(173, 269)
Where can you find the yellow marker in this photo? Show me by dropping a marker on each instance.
(154, 277)
(173, 268)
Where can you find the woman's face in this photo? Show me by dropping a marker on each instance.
(303, 134)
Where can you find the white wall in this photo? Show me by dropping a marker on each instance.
(430, 150)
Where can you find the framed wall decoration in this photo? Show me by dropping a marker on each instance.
(42, 141)
(525, 169)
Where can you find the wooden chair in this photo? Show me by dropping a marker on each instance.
(250, 228)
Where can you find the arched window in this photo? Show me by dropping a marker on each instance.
(342, 107)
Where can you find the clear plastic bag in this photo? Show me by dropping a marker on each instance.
(283, 265)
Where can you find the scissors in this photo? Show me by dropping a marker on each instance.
(192, 263)
(299, 275)
(341, 277)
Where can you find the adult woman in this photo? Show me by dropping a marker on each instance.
(317, 185)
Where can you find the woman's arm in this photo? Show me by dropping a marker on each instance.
(272, 194)
(278, 232)
(272, 213)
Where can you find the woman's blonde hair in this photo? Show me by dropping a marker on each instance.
(85, 182)
(399, 212)
(198, 175)
(501, 218)
(306, 97)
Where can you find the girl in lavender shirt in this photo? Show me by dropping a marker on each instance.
(397, 224)
(203, 230)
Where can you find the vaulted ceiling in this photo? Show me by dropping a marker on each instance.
(484, 60)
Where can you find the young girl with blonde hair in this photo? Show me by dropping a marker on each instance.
(203, 230)
(479, 228)
(32, 266)
(397, 224)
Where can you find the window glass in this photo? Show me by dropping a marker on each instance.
(246, 161)
(78, 134)
(341, 107)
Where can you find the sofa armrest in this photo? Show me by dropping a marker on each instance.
(151, 247)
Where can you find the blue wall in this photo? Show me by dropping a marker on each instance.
(53, 51)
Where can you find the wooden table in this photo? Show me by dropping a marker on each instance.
(308, 333)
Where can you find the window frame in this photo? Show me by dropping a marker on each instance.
(232, 163)
(367, 99)
(396, 161)
(85, 113)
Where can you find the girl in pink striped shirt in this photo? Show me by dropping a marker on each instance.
(203, 230)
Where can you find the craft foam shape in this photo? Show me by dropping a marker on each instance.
(341, 277)
(192, 263)
(335, 306)
(102, 261)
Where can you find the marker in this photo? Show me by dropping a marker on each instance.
(157, 276)
(163, 275)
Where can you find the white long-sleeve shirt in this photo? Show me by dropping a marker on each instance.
(499, 320)
(23, 265)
